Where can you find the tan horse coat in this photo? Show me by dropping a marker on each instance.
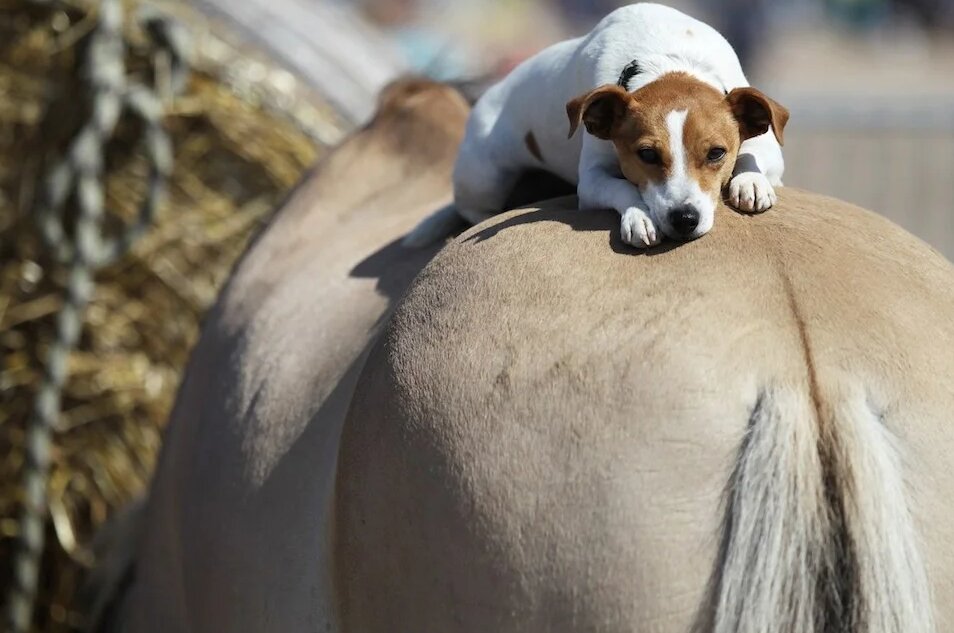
(747, 433)
(235, 529)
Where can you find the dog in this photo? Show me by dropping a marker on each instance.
(670, 119)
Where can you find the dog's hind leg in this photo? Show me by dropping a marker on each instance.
(437, 225)
(482, 183)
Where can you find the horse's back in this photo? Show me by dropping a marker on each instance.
(552, 433)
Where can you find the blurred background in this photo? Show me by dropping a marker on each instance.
(245, 95)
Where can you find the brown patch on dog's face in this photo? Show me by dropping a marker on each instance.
(709, 135)
(600, 110)
(755, 112)
(677, 138)
(709, 127)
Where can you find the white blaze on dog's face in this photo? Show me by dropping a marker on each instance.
(677, 140)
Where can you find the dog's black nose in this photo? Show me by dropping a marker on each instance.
(684, 220)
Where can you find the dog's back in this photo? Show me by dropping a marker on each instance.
(529, 103)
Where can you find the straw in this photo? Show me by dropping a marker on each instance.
(235, 158)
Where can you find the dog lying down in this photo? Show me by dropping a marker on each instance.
(670, 122)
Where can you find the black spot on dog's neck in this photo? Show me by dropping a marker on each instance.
(629, 71)
(632, 69)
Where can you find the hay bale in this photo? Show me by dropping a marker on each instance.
(235, 158)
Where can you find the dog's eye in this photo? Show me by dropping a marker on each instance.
(648, 155)
(715, 154)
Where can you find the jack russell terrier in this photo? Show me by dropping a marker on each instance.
(670, 119)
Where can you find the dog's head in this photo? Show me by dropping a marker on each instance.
(677, 139)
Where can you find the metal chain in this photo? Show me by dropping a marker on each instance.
(78, 176)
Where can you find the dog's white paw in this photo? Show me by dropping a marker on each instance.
(637, 229)
(751, 192)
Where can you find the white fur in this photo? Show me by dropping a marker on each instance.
(893, 574)
(752, 192)
(533, 97)
(637, 228)
(780, 540)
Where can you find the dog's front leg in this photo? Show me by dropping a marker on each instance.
(758, 170)
(599, 188)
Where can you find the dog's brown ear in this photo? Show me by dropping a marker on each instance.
(755, 112)
(598, 109)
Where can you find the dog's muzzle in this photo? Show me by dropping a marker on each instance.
(684, 220)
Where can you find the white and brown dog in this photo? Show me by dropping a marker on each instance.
(671, 121)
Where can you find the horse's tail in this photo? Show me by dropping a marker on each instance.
(818, 534)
